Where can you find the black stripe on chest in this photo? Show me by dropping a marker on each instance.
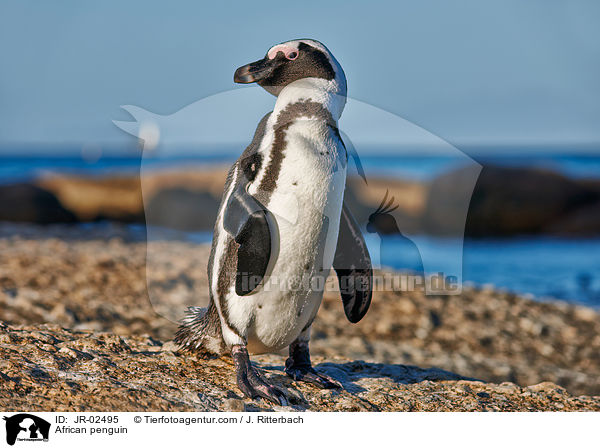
(293, 111)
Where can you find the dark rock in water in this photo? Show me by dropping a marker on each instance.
(29, 203)
(583, 221)
(507, 201)
(182, 209)
(93, 199)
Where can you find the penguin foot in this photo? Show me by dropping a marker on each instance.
(251, 382)
(299, 368)
(309, 375)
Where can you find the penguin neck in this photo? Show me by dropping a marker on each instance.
(331, 94)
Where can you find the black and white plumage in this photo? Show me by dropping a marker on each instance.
(282, 224)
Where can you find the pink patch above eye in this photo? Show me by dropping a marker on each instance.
(289, 52)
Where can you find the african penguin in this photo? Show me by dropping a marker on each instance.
(282, 225)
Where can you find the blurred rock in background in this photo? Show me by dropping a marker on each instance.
(505, 201)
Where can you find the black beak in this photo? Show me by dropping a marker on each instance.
(255, 71)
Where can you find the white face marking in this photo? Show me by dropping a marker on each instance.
(289, 51)
(338, 83)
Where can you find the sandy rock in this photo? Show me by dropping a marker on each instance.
(96, 279)
(104, 372)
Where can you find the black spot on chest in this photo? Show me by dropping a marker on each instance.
(251, 165)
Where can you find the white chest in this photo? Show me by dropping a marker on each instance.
(306, 206)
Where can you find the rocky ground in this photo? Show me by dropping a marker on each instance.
(116, 355)
(44, 367)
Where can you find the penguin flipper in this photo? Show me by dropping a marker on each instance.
(246, 221)
(352, 264)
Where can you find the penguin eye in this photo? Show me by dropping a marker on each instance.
(292, 55)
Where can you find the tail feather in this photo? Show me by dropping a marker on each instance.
(200, 331)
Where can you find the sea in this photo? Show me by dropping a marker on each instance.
(537, 266)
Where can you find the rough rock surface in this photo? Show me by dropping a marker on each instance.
(95, 279)
(48, 368)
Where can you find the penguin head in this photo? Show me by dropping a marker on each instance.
(291, 61)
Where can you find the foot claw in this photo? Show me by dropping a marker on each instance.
(299, 367)
(254, 385)
(310, 375)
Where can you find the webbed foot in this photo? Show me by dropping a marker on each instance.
(251, 382)
(299, 368)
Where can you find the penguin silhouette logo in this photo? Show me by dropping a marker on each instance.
(381, 221)
(26, 427)
(400, 247)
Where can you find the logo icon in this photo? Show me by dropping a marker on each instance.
(26, 427)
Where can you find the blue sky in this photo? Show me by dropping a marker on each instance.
(472, 72)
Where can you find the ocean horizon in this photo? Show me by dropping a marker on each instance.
(414, 167)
